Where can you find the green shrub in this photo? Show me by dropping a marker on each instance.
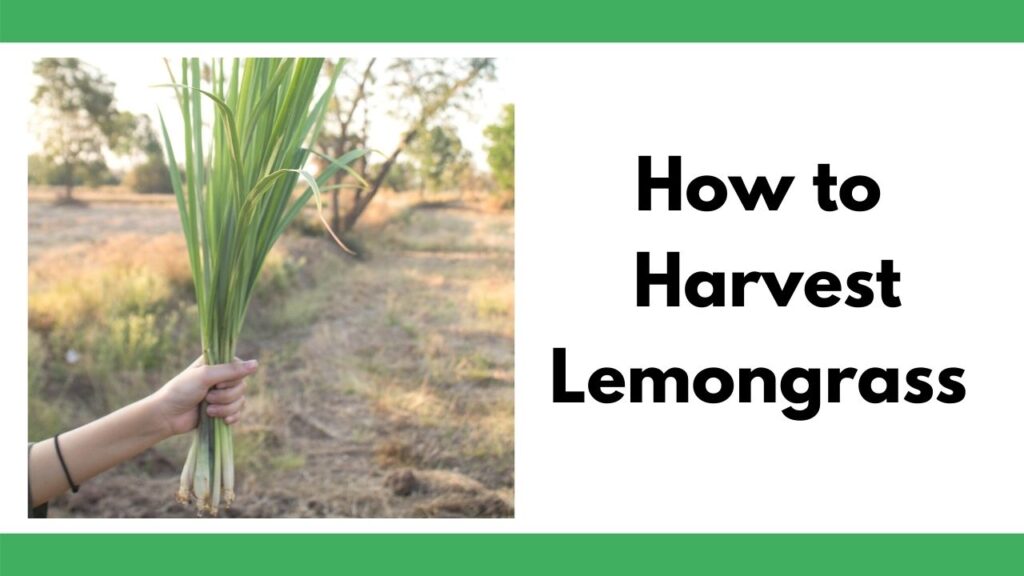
(150, 177)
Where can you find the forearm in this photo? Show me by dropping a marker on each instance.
(94, 448)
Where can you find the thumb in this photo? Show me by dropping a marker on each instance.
(210, 376)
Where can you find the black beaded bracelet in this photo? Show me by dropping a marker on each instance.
(71, 483)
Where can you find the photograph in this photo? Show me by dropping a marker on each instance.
(270, 287)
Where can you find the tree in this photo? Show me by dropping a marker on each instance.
(501, 153)
(149, 177)
(149, 174)
(344, 137)
(428, 88)
(42, 172)
(79, 120)
(440, 157)
(401, 177)
(424, 90)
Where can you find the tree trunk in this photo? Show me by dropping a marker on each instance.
(336, 201)
(335, 209)
(359, 207)
(342, 144)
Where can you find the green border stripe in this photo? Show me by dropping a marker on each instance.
(515, 21)
(492, 554)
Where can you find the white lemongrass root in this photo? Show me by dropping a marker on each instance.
(228, 465)
(201, 478)
(209, 472)
(218, 445)
(185, 487)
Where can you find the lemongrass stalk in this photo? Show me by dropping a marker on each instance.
(217, 462)
(229, 467)
(201, 478)
(235, 201)
(185, 487)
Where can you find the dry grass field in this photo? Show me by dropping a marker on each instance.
(386, 386)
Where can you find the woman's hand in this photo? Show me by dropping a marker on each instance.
(222, 386)
(173, 409)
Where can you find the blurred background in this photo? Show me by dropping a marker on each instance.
(386, 381)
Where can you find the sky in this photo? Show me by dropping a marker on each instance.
(135, 77)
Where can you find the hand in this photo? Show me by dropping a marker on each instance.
(222, 386)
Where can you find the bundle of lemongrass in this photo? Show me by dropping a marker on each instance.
(235, 201)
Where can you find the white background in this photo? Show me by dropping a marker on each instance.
(938, 126)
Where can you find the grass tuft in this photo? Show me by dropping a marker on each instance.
(236, 199)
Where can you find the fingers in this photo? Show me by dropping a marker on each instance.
(225, 387)
(202, 361)
(229, 412)
(226, 392)
(211, 376)
(228, 384)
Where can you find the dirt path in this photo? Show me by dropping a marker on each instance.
(387, 385)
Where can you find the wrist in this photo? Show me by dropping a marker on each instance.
(156, 424)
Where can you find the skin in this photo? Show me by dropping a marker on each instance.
(118, 436)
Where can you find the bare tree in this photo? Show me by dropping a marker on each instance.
(426, 89)
(338, 143)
